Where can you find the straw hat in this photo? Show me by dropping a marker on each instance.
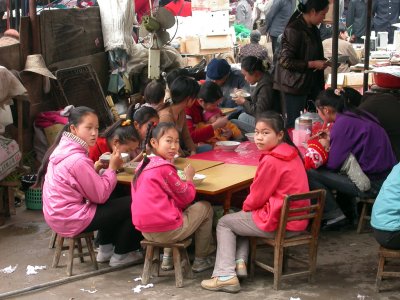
(35, 63)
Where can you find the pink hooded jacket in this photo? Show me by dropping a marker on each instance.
(280, 172)
(159, 196)
(72, 188)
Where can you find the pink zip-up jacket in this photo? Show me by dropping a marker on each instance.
(280, 172)
(72, 188)
(159, 196)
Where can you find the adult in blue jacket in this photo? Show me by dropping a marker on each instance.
(385, 217)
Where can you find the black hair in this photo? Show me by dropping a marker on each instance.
(342, 27)
(277, 124)
(342, 101)
(76, 115)
(317, 5)
(123, 131)
(210, 92)
(142, 114)
(172, 75)
(152, 132)
(182, 88)
(251, 64)
(154, 92)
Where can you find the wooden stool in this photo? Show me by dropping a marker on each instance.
(7, 197)
(364, 213)
(53, 238)
(152, 260)
(73, 243)
(383, 255)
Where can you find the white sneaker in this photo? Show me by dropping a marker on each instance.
(121, 259)
(103, 256)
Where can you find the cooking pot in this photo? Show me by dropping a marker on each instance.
(387, 77)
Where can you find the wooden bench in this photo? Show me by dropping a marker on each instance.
(74, 243)
(364, 216)
(180, 257)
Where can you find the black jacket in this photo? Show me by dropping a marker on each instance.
(300, 44)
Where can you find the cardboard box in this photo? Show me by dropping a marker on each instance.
(190, 61)
(354, 80)
(210, 5)
(208, 44)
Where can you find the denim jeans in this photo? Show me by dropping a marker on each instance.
(245, 122)
(204, 148)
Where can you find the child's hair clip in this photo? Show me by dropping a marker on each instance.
(338, 92)
(127, 122)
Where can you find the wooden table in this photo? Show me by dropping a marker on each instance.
(180, 163)
(224, 180)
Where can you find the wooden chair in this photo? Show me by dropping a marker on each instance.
(73, 243)
(7, 197)
(384, 254)
(152, 260)
(281, 242)
(364, 216)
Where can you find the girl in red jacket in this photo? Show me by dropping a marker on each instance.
(161, 200)
(280, 172)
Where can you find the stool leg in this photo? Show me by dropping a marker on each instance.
(381, 266)
(177, 267)
(71, 244)
(57, 254)
(11, 200)
(187, 267)
(156, 263)
(52, 240)
(80, 252)
(362, 217)
(89, 246)
(148, 261)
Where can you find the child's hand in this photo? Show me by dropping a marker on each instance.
(226, 132)
(189, 172)
(98, 165)
(325, 143)
(115, 160)
(220, 122)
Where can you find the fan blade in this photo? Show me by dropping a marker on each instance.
(165, 18)
(162, 37)
(143, 31)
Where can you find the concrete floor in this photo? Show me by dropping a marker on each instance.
(347, 265)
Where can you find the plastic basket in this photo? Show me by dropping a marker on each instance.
(33, 199)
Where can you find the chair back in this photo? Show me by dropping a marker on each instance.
(312, 212)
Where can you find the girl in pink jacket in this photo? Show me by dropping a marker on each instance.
(76, 197)
(161, 201)
(280, 172)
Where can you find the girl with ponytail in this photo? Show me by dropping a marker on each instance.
(162, 206)
(353, 132)
(76, 197)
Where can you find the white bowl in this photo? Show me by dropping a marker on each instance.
(227, 145)
(125, 157)
(198, 178)
(250, 136)
(105, 158)
(130, 167)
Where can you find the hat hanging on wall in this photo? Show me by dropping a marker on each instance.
(35, 63)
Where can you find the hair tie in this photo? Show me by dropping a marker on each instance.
(66, 112)
(127, 122)
(338, 92)
(137, 106)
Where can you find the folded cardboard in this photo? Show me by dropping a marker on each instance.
(208, 44)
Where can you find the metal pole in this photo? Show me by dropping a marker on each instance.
(335, 42)
(367, 45)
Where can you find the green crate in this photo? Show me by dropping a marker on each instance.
(33, 199)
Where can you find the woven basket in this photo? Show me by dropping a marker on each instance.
(33, 199)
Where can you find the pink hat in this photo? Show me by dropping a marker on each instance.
(207, 114)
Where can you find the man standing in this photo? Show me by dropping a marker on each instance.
(277, 18)
(385, 13)
(357, 20)
(243, 13)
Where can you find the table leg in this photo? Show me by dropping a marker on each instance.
(227, 202)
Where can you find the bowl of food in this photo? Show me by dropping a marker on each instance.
(130, 167)
(197, 178)
(240, 93)
(250, 136)
(227, 145)
(105, 158)
(125, 157)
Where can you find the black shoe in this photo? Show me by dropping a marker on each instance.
(341, 225)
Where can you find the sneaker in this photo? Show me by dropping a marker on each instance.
(241, 269)
(202, 264)
(214, 284)
(167, 263)
(122, 259)
(103, 256)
